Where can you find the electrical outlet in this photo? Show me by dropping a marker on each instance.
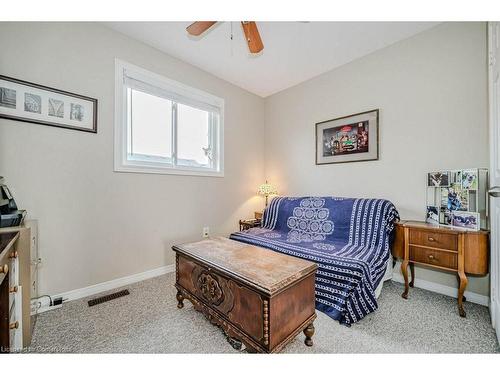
(206, 232)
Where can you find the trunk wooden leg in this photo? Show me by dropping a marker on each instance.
(461, 290)
(180, 299)
(412, 272)
(309, 332)
(404, 271)
(235, 343)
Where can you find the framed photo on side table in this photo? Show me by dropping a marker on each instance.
(348, 139)
(438, 179)
(29, 102)
(468, 220)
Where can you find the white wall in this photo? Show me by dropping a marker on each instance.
(431, 90)
(96, 225)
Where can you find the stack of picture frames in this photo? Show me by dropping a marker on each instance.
(458, 198)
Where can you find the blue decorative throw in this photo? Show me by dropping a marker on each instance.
(348, 238)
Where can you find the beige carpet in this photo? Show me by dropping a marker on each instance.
(148, 321)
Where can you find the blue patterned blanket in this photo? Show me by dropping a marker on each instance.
(348, 238)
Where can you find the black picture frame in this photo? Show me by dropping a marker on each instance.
(41, 121)
(374, 155)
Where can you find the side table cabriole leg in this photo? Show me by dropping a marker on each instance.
(461, 274)
(461, 290)
(404, 265)
(412, 272)
(458, 280)
(404, 271)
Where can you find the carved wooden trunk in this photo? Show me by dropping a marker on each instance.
(257, 296)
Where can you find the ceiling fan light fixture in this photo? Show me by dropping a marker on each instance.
(250, 30)
(252, 36)
(199, 27)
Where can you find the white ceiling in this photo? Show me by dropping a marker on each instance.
(293, 51)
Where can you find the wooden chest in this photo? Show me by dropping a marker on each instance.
(257, 296)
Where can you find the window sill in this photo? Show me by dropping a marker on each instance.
(171, 171)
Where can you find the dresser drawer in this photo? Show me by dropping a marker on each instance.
(439, 258)
(434, 239)
(15, 322)
(14, 271)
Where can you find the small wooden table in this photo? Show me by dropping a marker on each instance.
(251, 223)
(441, 248)
(257, 296)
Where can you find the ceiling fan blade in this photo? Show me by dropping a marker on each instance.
(198, 28)
(252, 36)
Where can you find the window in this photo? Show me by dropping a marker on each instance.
(163, 126)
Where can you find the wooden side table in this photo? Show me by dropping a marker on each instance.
(251, 223)
(441, 248)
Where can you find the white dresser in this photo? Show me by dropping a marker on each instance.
(18, 282)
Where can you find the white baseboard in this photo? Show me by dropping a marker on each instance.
(444, 289)
(47, 308)
(108, 285)
(117, 283)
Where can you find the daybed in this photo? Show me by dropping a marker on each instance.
(348, 238)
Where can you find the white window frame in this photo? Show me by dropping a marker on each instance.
(177, 92)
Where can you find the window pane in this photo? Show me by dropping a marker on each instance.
(193, 135)
(151, 125)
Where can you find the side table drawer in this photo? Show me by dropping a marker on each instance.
(433, 239)
(439, 258)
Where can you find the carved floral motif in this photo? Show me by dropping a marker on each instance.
(210, 288)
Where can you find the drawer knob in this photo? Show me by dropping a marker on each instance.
(13, 255)
(14, 325)
(431, 256)
(4, 268)
(431, 239)
(13, 289)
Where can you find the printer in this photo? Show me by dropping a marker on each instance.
(10, 216)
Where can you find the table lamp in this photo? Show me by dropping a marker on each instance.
(267, 190)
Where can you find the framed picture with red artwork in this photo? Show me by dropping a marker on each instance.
(348, 139)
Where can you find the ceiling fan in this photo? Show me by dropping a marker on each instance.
(252, 35)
